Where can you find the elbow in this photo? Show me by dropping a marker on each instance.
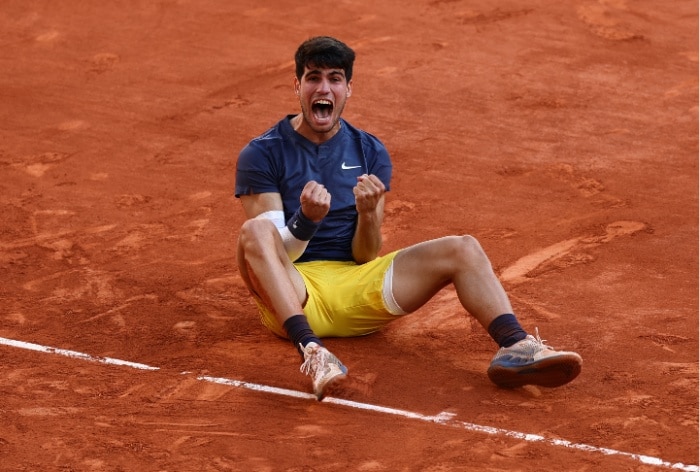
(365, 255)
(364, 260)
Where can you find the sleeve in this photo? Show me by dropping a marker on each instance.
(255, 172)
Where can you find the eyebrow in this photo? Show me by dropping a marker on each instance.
(318, 71)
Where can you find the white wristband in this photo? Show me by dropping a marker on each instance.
(294, 247)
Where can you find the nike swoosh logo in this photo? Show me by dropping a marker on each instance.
(345, 167)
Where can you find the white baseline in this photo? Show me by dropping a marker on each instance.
(444, 418)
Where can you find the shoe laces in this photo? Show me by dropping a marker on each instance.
(537, 343)
(539, 340)
(315, 357)
(525, 348)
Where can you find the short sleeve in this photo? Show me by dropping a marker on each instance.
(255, 172)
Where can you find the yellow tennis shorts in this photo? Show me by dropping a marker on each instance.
(344, 298)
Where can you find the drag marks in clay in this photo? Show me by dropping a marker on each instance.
(37, 165)
(566, 253)
(607, 20)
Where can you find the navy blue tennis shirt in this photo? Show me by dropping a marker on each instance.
(283, 161)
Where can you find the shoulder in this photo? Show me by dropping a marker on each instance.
(366, 138)
(372, 147)
(272, 135)
(269, 144)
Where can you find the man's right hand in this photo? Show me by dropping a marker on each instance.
(315, 201)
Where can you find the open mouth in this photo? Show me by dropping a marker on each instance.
(322, 109)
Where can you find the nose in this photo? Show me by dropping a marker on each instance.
(324, 86)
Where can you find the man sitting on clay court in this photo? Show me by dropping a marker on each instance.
(313, 189)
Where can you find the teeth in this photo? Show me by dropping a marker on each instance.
(322, 102)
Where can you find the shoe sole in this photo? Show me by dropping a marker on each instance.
(551, 372)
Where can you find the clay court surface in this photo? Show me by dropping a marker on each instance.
(563, 135)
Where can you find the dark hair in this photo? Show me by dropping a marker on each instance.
(325, 52)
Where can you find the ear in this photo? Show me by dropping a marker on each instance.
(349, 92)
(297, 86)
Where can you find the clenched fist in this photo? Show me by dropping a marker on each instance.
(368, 193)
(315, 201)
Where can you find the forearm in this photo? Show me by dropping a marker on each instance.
(368, 237)
(294, 242)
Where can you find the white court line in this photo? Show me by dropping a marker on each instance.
(73, 354)
(444, 418)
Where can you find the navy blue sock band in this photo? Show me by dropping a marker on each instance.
(300, 333)
(506, 330)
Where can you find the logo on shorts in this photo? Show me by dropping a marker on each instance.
(346, 167)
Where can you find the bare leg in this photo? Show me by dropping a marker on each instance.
(420, 271)
(267, 271)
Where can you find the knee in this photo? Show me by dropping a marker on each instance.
(468, 250)
(256, 234)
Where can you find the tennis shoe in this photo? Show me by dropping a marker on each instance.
(323, 368)
(531, 362)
